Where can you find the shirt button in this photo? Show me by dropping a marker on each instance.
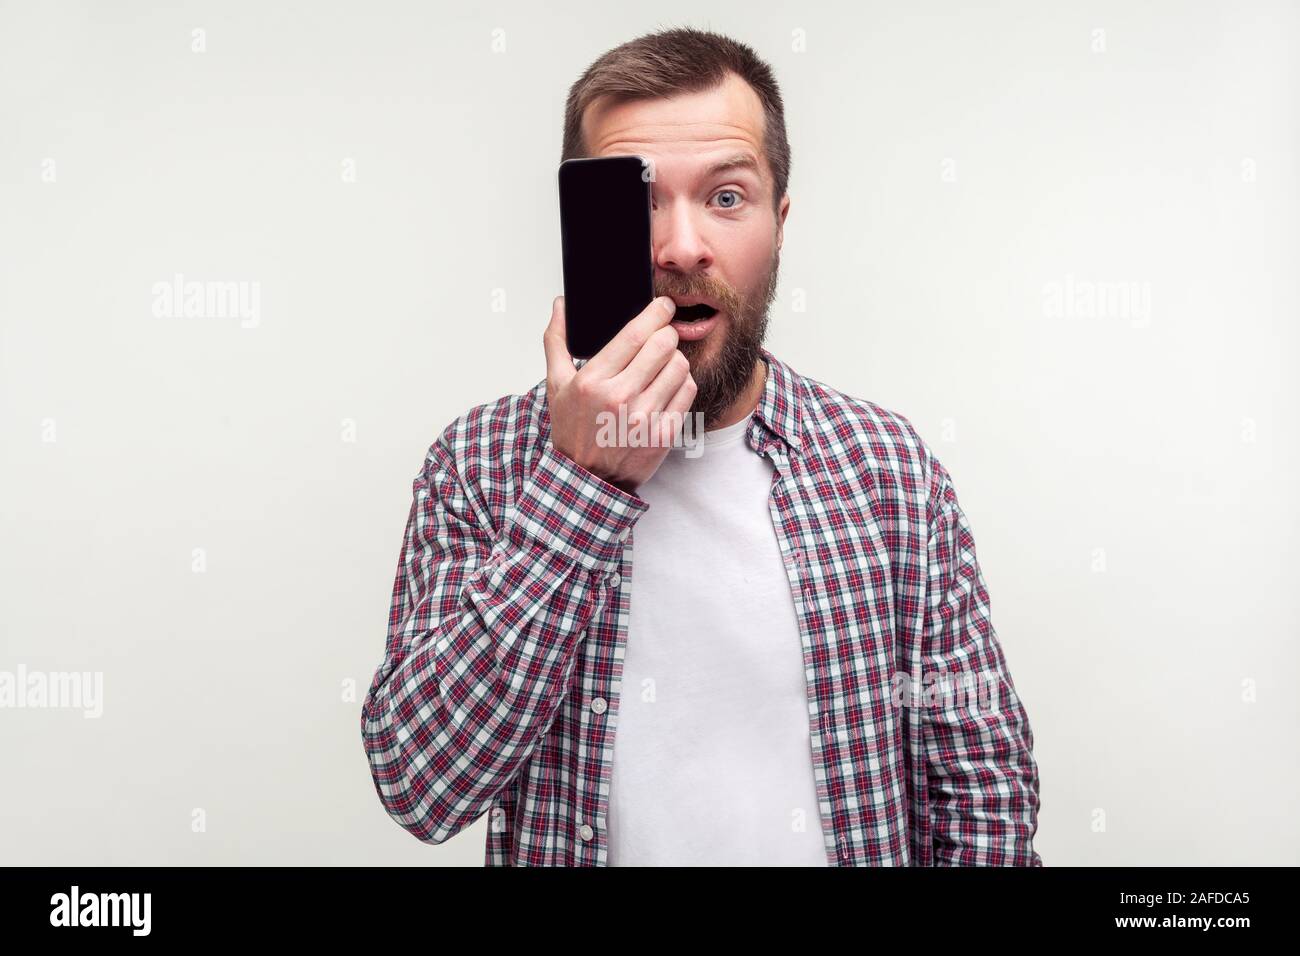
(586, 832)
(598, 705)
(614, 579)
(622, 535)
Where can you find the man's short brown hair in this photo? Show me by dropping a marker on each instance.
(671, 62)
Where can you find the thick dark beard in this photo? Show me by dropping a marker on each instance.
(722, 379)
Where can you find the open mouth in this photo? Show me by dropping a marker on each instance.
(693, 313)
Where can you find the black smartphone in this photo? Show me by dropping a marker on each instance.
(606, 241)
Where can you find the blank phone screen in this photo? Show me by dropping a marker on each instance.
(605, 234)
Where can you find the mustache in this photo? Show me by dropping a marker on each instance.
(700, 286)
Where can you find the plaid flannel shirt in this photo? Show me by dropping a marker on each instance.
(499, 687)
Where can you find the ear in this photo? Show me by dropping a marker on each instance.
(780, 221)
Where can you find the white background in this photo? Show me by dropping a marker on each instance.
(1127, 479)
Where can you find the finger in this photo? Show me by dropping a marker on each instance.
(685, 397)
(659, 392)
(622, 348)
(649, 362)
(674, 418)
(559, 363)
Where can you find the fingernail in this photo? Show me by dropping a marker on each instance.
(668, 301)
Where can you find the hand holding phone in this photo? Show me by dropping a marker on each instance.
(640, 371)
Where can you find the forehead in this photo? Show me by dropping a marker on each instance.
(726, 119)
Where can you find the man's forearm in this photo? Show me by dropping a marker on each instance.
(485, 636)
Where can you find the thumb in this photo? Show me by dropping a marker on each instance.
(559, 363)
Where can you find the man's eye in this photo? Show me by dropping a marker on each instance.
(736, 200)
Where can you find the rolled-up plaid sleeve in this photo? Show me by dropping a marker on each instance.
(983, 788)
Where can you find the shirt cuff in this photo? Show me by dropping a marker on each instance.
(567, 508)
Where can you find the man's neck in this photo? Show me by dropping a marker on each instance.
(745, 402)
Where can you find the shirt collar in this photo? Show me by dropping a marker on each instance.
(780, 407)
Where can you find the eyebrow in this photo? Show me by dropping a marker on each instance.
(739, 161)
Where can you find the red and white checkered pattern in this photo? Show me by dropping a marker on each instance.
(499, 688)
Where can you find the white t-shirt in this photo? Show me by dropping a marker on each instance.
(712, 748)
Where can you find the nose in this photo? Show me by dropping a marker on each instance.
(679, 246)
